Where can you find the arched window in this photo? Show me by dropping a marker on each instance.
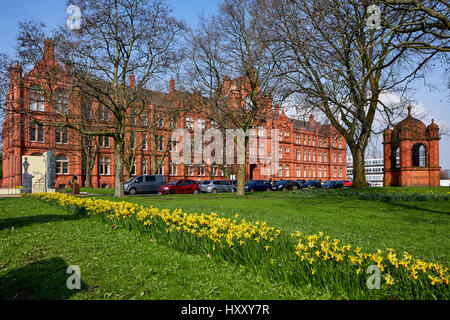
(419, 155)
(395, 159)
(62, 164)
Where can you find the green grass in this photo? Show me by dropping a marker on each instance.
(39, 241)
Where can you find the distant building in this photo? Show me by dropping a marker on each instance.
(307, 149)
(374, 171)
(411, 154)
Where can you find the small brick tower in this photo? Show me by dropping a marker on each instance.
(411, 154)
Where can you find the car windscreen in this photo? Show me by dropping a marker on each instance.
(173, 183)
(206, 182)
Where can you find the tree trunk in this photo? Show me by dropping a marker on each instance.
(119, 166)
(359, 171)
(241, 180)
(242, 156)
(87, 182)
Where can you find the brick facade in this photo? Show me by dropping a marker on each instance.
(411, 154)
(308, 149)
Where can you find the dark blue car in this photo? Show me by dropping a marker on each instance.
(333, 184)
(312, 184)
(257, 185)
(285, 185)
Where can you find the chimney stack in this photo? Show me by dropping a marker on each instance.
(49, 49)
(67, 67)
(132, 81)
(172, 85)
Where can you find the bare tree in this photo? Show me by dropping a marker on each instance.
(118, 39)
(429, 20)
(230, 70)
(336, 64)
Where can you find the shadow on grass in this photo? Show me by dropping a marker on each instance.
(42, 280)
(30, 220)
(419, 208)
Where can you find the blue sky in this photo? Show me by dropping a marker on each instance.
(436, 100)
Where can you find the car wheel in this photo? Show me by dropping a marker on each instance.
(252, 190)
(195, 192)
(214, 191)
(132, 191)
(172, 192)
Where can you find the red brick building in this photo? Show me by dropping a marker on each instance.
(307, 149)
(411, 154)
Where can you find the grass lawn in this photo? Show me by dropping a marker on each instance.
(39, 241)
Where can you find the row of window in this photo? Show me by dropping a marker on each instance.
(309, 172)
(312, 141)
(368, 170)
(37, 100)
(61, 137)
(173, 170)
(62, 165)
(37, 134)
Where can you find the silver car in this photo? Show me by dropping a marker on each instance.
(215, 186)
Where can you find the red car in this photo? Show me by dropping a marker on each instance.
(180, 186)
(347, 184)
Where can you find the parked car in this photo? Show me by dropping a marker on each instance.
(180, 186)
(285, 185)
(347, 183)
(311, 184)
(215, 186)
(144, 184)
(257, 185)
(333, 184)
(233, 184)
